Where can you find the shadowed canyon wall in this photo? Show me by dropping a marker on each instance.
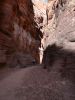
(18, 30)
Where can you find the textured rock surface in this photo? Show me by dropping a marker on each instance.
(22, 22)
(60, 32)
(18, 30)
(61, 23)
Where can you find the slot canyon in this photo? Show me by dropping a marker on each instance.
(37, 49)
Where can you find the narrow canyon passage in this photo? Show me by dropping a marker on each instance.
(37, 49)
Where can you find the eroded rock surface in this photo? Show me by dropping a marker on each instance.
(61, 33)
(18, 30)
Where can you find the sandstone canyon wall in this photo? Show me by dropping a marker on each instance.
(60, 23)
(60, 30)
(18, 30)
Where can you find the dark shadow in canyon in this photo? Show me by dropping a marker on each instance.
(67, 67)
